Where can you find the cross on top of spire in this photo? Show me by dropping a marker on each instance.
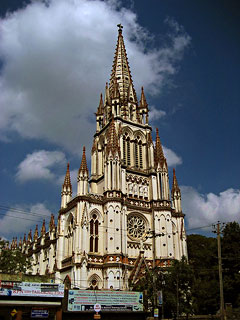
(120, 27)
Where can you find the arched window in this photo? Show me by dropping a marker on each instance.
(94, 233)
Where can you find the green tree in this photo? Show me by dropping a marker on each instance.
(177, 293)
(12, 261)
(231, 263)
(202, 253)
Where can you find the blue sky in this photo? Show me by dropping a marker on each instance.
(55, 60)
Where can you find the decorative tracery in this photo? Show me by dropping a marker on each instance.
(136, 226)
(94, 233)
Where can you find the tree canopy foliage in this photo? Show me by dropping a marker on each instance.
(192, 287)
(12, 260)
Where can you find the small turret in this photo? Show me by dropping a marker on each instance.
(176, 194)
(159, 159)
(143, 107)
(29, 239)
(99, 114)
(112, 141)
(82, 187)
(162, 170)
(52, 223)
(43, 230)
(112, 166)
(35, 237)
(66, 193)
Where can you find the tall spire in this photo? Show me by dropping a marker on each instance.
(121, 71)
(83, 167)
(112, 139)
(67, 180)
(158, 154)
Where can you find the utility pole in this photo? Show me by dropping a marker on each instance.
(217, 229)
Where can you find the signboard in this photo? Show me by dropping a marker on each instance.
(10, 288)
(97, 307)
(155, 313)
(39, 313)
(84, 300)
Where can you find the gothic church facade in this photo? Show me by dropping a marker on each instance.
(123, 210)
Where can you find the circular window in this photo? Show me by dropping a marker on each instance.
(136, 226)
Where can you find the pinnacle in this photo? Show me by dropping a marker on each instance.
(159, 156)
(83, 167)
(52, 223)
(43, 230)
(67, 180)
(100, 107)
(175, 186)
(112, 138)
(143, 101)
(36, 233)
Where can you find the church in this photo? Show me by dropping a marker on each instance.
(123, 212)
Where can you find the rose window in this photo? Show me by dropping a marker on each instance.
(136, 226)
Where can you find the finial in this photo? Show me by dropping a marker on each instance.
(120, 27)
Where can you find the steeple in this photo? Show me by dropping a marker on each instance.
(112, 140)
(66, 189)
(82, 187)
(121, 71)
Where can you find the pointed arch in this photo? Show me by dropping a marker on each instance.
(95, 282)
(95, 216)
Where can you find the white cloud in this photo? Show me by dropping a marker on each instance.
(20, 220)
(56, 59)
(155, 114)
(37, 165)
(204, 209)
(172, 158)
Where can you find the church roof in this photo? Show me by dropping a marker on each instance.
(121, 73)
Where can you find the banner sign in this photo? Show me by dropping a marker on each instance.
(10, 288)
(84, 300)
(39, 313)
